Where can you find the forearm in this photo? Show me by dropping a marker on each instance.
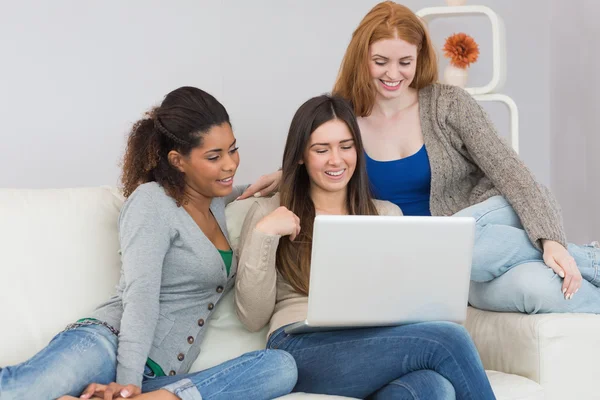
(256, 281)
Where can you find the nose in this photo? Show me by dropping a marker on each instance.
(230, 163)
(335, 158)
(393, 72)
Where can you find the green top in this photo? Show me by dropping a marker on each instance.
(227, 256)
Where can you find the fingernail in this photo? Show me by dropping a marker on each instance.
(237, 198)
(561, 274)
(124, 392)
(257, 194)
(564, 290)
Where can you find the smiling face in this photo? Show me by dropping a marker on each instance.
(330, 157)
(392, 65)
(210, 167)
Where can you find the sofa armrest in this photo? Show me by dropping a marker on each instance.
(559, 351)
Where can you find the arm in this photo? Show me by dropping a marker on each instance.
(533, 203)
(255, 285)
(145, 240)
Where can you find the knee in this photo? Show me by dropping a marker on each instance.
(528, 288)
(441, 388)
(449, 339)
(423, 384)
(284, 371)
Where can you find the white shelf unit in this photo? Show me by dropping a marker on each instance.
(489, 91)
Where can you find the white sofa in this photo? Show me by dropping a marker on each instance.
(59, 259)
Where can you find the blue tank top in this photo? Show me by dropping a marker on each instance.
(405, 182)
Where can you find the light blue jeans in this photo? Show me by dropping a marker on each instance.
(87, 354)
(430, 360)
(509, 274)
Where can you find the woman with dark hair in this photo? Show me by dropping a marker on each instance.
(324, 173)
(177, 264)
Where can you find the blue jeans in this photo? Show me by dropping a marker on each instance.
(87, 354)
(264, 374)
(509, 274)
(431, 360)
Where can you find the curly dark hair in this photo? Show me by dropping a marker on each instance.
(177, 124)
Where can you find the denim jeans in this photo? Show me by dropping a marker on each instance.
(263, 374)
(87, 354)
(508, 272)
(431, 360)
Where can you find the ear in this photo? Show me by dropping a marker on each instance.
(301, 162)
(176, 160)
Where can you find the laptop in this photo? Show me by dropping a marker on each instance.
(371, 271)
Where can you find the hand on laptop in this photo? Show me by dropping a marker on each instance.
(280, 222)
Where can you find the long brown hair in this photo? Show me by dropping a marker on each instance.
(177, 124)
(293, 258)
(386, 20)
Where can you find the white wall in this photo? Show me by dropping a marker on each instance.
(74, 75)
(575, 122)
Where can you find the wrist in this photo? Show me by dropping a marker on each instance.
(264, 228)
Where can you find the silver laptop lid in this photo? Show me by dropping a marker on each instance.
(383, 270)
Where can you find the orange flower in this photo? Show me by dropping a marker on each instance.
(461, 49)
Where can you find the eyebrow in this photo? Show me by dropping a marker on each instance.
(327, 144)
(220, 150)
(380, 56)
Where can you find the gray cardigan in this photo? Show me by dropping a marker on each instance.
(470, 163)
(172, 277)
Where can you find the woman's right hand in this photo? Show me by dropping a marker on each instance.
(280, 222)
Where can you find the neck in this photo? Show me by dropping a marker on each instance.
(196, 200)
(391, 107)
(333, 203)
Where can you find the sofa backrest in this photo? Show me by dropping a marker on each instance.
(59, 259)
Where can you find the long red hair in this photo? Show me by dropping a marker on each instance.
(386, 20)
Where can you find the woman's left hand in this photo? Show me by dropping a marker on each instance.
(559, 259)
(264, 186)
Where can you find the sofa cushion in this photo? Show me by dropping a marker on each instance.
(560, 351)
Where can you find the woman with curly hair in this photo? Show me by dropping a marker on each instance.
(177, 264)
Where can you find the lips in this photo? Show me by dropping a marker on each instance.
(335, 174)
(390, 85)
(226, 181)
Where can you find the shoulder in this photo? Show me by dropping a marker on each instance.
(443, 93)
(387, 208)
(266, 205)
(148, 201)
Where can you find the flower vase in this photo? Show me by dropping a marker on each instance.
(456, 76)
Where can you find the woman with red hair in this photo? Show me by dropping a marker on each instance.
(432, 150)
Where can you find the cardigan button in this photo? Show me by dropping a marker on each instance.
(220, 289)
(180, 356)
(172, 373)
(190, 339)
(211, 306)
(200, 322)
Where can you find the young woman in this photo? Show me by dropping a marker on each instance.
(178, 174)
(431, 150)
(324, 173)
